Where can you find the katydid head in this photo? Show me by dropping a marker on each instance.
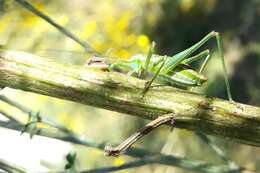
(98, 62)
(137, 65)
(136, 62)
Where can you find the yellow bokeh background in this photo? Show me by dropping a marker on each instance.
(119, 29)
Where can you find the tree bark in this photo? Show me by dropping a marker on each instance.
(117, 92)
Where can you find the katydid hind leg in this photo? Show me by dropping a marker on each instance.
(220, 50)
(180, 57)
(202, 67)
(204, 64)
(196, 57)
(144, 69)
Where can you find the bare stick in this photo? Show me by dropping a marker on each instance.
(115, 151)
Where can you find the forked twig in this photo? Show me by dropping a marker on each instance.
(115, 151)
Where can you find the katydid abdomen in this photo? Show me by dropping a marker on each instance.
(182, 75)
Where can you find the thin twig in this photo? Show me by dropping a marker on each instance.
(31, 112)
(115, 151)
(63, 30)
(198, 167)
(217, 150)
(10, 167)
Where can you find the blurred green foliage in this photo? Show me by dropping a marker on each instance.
(123, 28)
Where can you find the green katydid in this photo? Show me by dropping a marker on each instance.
(172, 70)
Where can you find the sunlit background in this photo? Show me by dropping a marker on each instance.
(118, 28)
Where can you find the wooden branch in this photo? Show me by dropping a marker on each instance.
(117, 92)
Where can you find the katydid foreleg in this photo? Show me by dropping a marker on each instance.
(141, 69)
(138, 67)
(149, 83)
(199, 56)
(149, 56)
